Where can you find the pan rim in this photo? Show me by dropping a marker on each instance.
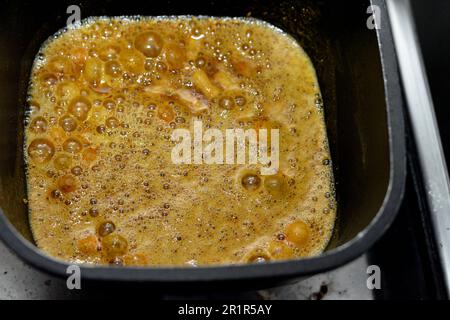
(281, 269)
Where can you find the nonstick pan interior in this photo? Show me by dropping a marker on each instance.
(347, 58)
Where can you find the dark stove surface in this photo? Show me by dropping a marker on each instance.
(407, 254)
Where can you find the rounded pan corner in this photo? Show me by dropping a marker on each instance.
(273, 270)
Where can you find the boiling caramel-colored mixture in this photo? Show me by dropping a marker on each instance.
(105, 97)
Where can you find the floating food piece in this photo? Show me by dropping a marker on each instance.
(194, 101)
(226, 80)
(160, 90)
(202, 82)
(88, 245)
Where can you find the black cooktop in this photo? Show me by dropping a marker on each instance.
(406, 254)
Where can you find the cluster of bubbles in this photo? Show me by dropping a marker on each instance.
(97, 122)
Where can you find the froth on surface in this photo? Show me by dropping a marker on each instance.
(105, 97)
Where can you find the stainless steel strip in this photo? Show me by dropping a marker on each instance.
(424, 125)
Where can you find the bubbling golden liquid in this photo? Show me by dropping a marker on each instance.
(104, 99)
